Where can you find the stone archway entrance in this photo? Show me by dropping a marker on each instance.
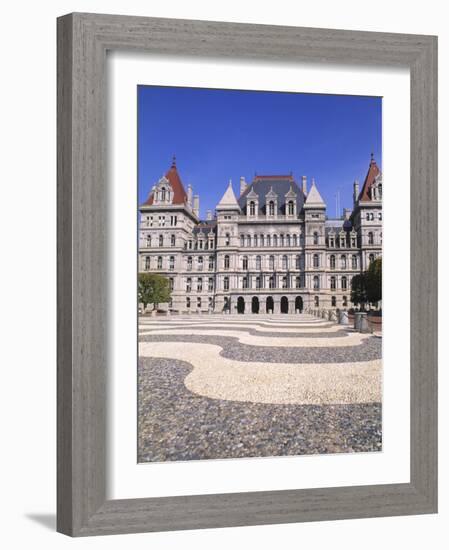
(240, 305)
(255, 304)
(284, 304)
(299, 304)
(270, 304)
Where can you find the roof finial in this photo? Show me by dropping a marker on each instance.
(372, 158)
(173, 162)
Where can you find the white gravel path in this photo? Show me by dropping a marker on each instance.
(352, 339)
(217, 377)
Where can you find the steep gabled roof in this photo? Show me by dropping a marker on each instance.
(373, 172)
(314, 199)
(179, 193)
(228, 200)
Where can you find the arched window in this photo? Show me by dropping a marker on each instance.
(268, 240)
(271, 282)
(298, 262)
(245, 262)
(172, 263)
(284, 262)
(295, 240)
(226, 283)
(147, 263)
(200, 263)
(316, 260)
(189, 263)
(159, 262)
(275, 240)
(379, 190)
(333, 283)
(271, 208)
(344, 283)
(288, 240)
(281, 240)
(252, 208)
(148, 241)
(226, 262)
(371, 258)
(316, 282)
(248, 240)
(242, 240)
(173, 240)
(161, 240)
(343, 261)
(298, 282)
(332, 261)
(315, 238)
(291, 208)
(316, 301)
(163, 194)
(227, 239)
(354, 261)
(258, 262)
(271, 262)
(262, 240)
(333, 301)
(370, 237)
(255, 240)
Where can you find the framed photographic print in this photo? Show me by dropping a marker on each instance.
(246, 274)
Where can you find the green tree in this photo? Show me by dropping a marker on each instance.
(153, 289)
(374, 281)
(358, 290)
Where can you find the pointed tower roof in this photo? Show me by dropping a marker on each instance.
(314, 199)
(228, 200)
(373, 172)
(179, 193)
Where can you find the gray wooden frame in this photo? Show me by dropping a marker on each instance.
(83, 40)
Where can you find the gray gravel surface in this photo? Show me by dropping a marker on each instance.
(233, 349)
(175, 424)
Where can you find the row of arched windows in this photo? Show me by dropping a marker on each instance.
(284, 262)
(270, 240)
(343, 264)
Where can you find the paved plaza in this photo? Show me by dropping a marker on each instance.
(229, 386)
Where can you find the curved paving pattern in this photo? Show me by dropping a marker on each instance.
(222, 387)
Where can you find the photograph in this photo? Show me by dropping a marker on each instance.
(259, 274)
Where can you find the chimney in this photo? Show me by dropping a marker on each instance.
(356, 192)
(209, 215)
(189, 195)
(196, 205)
(243, 185)
(304, 185)
(347, 213)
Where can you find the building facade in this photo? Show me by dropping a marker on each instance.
(272, 249)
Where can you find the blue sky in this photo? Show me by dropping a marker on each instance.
(219, 135)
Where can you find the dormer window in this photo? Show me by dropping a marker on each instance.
(271, 208)
(252, 208)
(163, 194)
(291, 208)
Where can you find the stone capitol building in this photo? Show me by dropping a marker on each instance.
(272, 249)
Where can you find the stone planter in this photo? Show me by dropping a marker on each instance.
(343, 318)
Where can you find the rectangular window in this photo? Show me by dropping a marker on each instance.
(210, 284)
(211, 263)
(189, 263)
(200, 263)
(198, 303)
(199, 284)
(172, 263)
(226, 283)
(188, 284)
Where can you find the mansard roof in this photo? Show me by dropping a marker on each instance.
(373, 172)
(281, 184)
(179, 193)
